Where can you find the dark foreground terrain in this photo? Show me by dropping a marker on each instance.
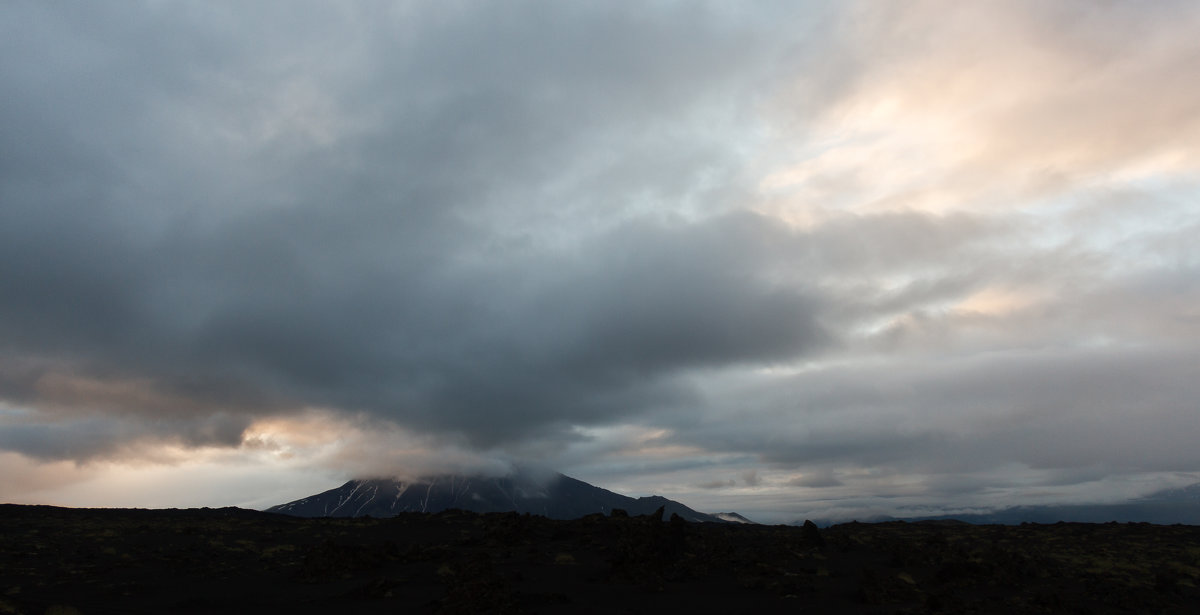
(66, 561)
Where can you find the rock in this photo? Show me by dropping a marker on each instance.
(813, 535)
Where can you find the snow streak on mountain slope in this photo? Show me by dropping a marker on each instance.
(732, 517)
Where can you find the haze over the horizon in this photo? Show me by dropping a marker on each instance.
(783, 257)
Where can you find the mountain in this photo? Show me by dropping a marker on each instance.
(732, 517)
(1167, 507)
(556, 497)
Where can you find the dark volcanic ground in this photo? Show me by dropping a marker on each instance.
(65, 561)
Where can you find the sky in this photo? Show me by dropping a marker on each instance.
(788, 258)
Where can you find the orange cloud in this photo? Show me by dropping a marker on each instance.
(992, 105)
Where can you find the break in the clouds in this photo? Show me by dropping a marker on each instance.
(781, 253)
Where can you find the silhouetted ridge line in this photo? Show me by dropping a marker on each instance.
(556, 497)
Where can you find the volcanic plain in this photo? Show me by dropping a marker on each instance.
(64, 561)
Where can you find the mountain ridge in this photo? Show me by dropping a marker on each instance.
(557, 497)
(1179, 505)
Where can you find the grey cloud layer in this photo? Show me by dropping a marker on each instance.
(1082, 414)
(500, 225)
(391, 228)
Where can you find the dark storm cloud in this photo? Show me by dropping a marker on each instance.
(500, 349)
(935, 248)
(435, 216)
(105, 437)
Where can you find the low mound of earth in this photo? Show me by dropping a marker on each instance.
(239, 561)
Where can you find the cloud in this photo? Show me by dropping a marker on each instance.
(387, 244)
(820, 248)
(1048, 411)
(821, 478)
(24, 475)
(944, 106)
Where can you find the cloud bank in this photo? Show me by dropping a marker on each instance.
(788, 252)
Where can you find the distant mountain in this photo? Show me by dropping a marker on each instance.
(556, 497)
(1165, 507)
(732, 517)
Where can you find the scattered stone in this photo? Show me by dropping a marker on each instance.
(812, 534)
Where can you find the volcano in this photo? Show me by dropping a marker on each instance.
(556, 496)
